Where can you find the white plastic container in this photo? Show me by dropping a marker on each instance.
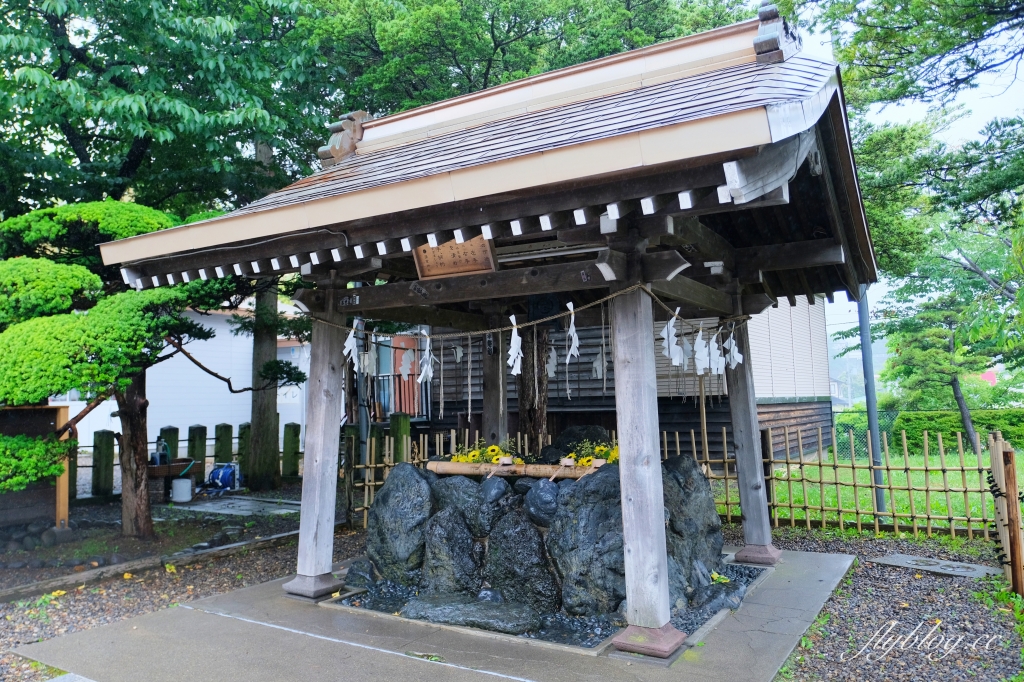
(181, 490)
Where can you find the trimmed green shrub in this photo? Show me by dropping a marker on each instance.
(948, 422)
(25, 460)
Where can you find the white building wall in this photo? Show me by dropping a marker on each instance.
(789, 350)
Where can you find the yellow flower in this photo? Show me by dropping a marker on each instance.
(58, 593)
(496, 459)
(586, 462)
(518, 460)
(600, 450)
(494, 450)
(572, 455)
(474, 456)
(613, 456)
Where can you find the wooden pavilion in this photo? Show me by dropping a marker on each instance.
(715, 170)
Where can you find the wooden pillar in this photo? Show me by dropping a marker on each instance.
(494, 417)
(757, 530)
(197, 451)
(401, 428)
(103, 463)
(64, 481)
(222, 443)
(643, 501)
(324, 394)
(290, 457)
(244, 433)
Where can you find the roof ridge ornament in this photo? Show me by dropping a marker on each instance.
(344, 136)
(776, 40)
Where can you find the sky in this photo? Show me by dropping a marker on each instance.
(996, 96)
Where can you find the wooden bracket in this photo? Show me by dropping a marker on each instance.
(689, 291)
(662, 265)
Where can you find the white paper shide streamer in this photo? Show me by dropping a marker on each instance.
(408, 356)
(426, 363)
(515, 349)
(573, 341)
(733, 354)
(552, 363)
(701, 354)
(669, 345)
(350, 350)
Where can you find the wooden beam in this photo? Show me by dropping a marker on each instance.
(688, 231)
(492, 285)
(688, 291)
(464, 234)
(344, 269)
(756, 303)
(527, 225)
(792, 256)
(451, 216)
(425, 314)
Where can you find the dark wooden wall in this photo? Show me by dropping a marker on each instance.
(683, 415)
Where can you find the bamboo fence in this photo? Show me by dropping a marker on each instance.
(944, 488)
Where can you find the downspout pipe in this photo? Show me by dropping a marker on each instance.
(871, 397)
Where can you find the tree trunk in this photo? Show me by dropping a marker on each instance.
(532, 387)
(965, 414)
(262, 465)
(136, 520)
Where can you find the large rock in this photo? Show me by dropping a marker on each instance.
(396, 527)
(585, 544)
(517, 564)
(585, 538)
(448, 563)
(360, 574)
(512, 619)
(718, 596)
(498, 500)
(463, 494)
(549, 454)
(541, 501)
(569, 439)
(694, 530)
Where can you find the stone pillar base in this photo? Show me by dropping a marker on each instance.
(765, 555)
(660, 642)
(313, 586)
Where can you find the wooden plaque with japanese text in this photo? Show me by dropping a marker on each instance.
(451, 258)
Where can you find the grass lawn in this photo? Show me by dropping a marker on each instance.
(946, 489)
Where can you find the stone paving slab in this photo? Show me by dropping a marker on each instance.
(238, 506)
(939, 566)
(256, 634)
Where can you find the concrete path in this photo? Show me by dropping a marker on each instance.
(257, 634)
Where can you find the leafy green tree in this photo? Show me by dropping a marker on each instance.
(930, 349)
(402, 55)
(102, 352)
(36, 287)
(74, 324)
(921, 49)
(172, 101)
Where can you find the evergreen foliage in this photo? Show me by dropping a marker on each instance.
(25, 460)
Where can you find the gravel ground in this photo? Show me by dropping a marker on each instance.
(176, 529)
(119, 598)
(872, 596)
